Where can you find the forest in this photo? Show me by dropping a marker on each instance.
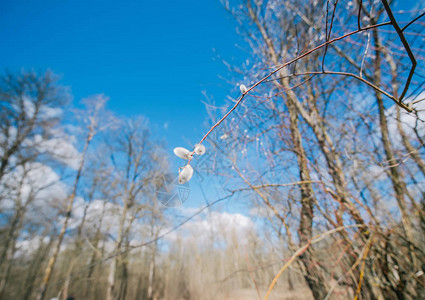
(323, 151)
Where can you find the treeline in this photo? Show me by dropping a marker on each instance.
(323, 157)
(80, 215)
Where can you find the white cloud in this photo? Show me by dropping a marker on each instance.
(26, 247)
(375, 172)
(408, 120)
(34, 180)
(45, 111)
(11, 135)
(208, 226)
(29, 106)
(37, 186)
(50, 112)
(61, 149)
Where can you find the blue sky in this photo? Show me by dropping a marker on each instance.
(150, 57)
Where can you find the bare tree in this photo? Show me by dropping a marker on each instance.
(29, 104)
(94, 109)
(137, 164)
(318, 125)
(30, 112)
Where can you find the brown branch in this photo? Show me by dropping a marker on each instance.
(328, 35)
(278, 68)
(271, 185)
(413, 21)
(358, 78)
(359, 25)
(302, 249)
(405, 44)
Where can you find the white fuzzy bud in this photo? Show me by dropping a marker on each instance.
(243, 88)
(200, 149)
(182, 152)
(185, 174)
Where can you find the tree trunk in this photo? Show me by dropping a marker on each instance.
(398, 185)
(313, 275)
(152, 270)
(33, 274)
(111, 280)
(50, 265)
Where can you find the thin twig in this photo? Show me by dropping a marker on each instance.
(129, 248)
(406, 46)
(255, 187)
(293, 257)
(278, 68)
(401, 104)
(359, 25)
(301, 250)
(328, 35)
(413, 21)
(367, 47)
(369, 244)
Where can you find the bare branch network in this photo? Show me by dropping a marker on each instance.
(319, 178)
(328, 32)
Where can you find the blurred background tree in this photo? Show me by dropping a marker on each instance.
(323, 158)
